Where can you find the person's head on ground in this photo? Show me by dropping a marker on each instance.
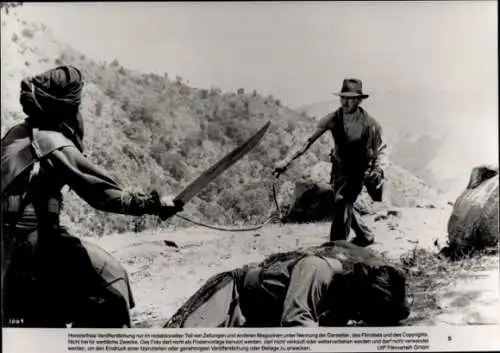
(52, 99)
(351, 95)
(372, 290)
(381, 295)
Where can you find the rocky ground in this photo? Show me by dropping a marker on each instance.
(163, 276)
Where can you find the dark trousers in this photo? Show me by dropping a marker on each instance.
(347, 187)
(48, 280)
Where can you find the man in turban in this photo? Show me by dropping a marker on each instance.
(38, 157)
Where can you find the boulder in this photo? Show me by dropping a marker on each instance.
(473, 224)
(313, 202)
(311, 198)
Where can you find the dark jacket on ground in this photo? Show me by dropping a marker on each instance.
(292, 293)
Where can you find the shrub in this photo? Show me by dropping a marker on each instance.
(290, 127)
(136, 132)
(215, 91)
(7, 5)
(203, 93)
(235, 133)
(98, 108)
(28, 33)
(110, 92)
(214, 132)
(250, 203)
(174, 165)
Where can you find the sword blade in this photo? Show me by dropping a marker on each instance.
(222, 165)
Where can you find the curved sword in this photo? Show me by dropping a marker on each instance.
(218, 168)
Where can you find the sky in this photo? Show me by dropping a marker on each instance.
(297, 51)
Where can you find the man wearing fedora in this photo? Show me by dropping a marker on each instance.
(356, 159)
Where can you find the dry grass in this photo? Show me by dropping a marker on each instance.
(430, 274)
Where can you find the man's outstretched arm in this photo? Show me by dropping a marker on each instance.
(323, 125)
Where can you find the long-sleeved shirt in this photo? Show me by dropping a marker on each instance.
(92, 184)
(66, 166)
(358, 139)
(307, 296)
(294, 293)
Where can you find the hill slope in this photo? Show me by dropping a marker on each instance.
(152, 131)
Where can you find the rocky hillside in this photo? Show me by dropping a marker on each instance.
(155, 131)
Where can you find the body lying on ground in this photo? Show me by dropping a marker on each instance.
(328, 285)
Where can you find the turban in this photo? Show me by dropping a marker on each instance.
(54, 91)
(52, 100)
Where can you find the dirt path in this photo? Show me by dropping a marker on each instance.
(163, 277)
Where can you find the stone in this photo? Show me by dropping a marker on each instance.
(473, 223)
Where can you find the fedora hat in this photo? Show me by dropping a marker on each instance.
(352, 87)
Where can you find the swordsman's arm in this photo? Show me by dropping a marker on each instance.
(97, 188)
